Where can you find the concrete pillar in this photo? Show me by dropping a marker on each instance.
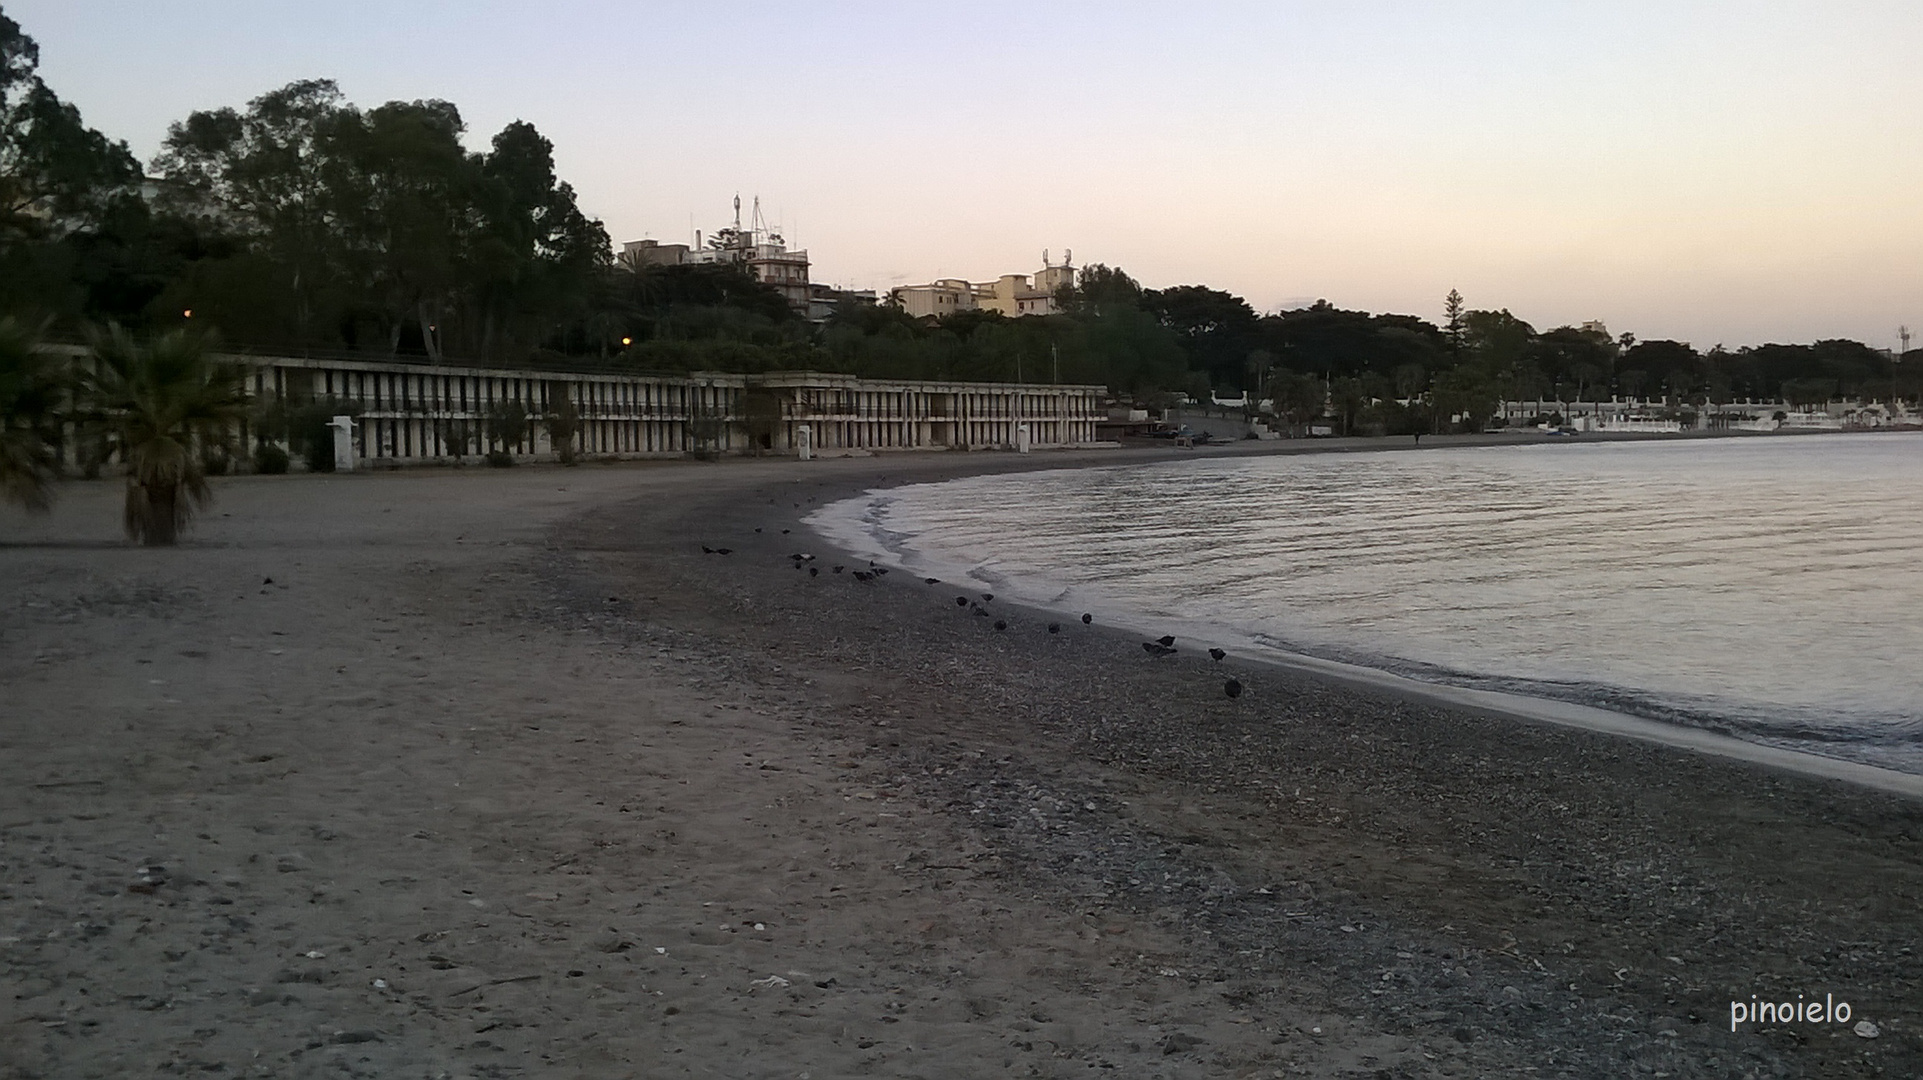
(343, 427)
(804, 442)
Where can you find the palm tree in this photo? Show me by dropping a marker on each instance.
(161, 404)
(33, 388)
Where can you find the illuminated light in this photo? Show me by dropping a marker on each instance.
(627, 341)
(187, 314)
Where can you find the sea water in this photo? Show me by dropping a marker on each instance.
(1771, 588)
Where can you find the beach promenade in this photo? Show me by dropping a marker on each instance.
(497, 773)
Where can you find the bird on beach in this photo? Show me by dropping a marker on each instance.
(1217, 655)
(757, 528)
(988, 596)
(838, 569)
(961, 601)
(1087, 618)
(1054, 628)
(931, 581)
(1232, 688)
(706, 550)
(724, 551)
(785, 532)
(1166, 640)
(814, 571)
(1000, 625)
(1156, 648)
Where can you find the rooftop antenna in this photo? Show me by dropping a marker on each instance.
(1068, 258)
(1045, 263)
(737, 212)
(1903, 335)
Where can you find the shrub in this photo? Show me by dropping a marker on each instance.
(500, 459)
(271, 460)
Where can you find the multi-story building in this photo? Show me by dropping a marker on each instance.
(1011, 294)
(757, 247)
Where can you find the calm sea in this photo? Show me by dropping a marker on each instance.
(1767, 587)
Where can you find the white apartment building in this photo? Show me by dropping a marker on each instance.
(1012, 295)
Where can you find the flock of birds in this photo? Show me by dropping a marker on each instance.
(1162, 646)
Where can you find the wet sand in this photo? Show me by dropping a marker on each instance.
(501, 775)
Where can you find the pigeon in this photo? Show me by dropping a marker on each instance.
(1166, 640)
(267, 581)
(1000, 625)
(931, 581)
(785, 532)
(757, 528)
(1157, 649)
(961, 601)
(813, 571)
(724, 551)
(1087, 618)
(881, 570)
(863, 575)
(1217, 654)
(706, 550)
(988, 596)
(1232, 688)
(838, 569)
(1054, 628)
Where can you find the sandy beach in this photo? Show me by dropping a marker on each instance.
(484, 773)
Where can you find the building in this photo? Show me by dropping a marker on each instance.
(408, 412)
(825, 300)
(1012, 295)
(757, 247)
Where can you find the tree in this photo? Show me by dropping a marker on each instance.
(1453, 325)
(1349, 397)
(269, 175)
(162, 404)
(1495, 340)
(563, 422)
(1216, 328)
(507, 426)
(56, 173)
(1298, 397)
(1670, 366)
(33, 389)
(1099, 287)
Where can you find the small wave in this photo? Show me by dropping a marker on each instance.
(1764, 590)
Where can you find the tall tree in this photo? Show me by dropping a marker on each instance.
(56, 173)
(268, 175)
(1453, 325)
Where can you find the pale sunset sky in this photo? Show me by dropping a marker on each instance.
(1728, 173)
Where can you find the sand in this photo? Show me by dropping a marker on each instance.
(494, 772)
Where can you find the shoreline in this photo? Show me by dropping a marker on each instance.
(585, 799)
(849, 534)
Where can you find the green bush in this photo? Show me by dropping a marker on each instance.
(270, 460)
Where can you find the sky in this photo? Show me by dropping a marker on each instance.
(1718, 173)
